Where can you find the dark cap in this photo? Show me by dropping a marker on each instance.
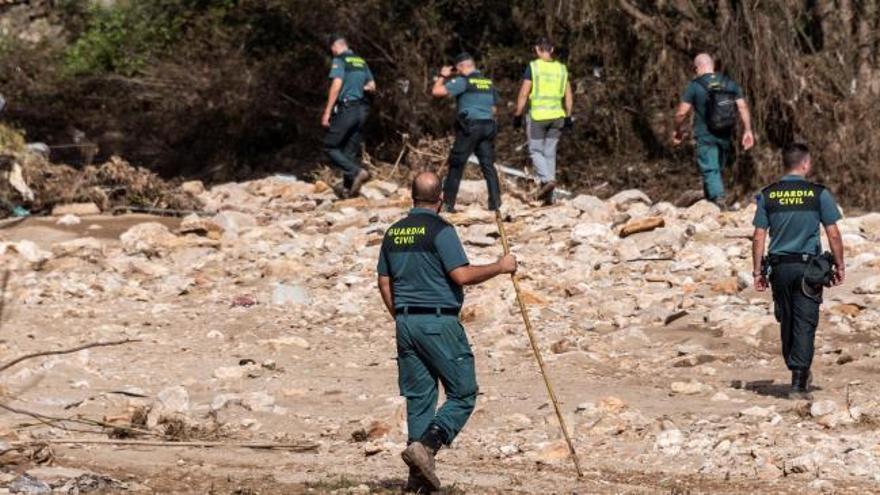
(462, 57)
(334, 37)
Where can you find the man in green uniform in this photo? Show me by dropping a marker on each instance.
(345, 113)
(422, 269)
(475, 127)
(792, 210)
(716, 101)
(547, 90)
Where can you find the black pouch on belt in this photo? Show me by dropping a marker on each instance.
(818, 274)
(820, 270)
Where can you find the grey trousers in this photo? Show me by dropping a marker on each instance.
(543, 138)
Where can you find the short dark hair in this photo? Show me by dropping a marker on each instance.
(332, 38)
(544, 44)
(794, 154)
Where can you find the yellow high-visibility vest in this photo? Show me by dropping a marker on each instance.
(549, 80)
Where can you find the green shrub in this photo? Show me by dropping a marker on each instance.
(123, 38)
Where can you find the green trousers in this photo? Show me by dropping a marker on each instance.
(432, 348)
(712, 156)
(798, 315)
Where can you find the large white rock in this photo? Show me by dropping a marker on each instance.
(669, 441)
(594, 234)
(472, 192)
(149, 238)
(870, 285)
(624, 199)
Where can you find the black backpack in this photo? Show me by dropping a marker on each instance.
(721, 111)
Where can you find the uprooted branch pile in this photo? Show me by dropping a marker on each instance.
(223, 89)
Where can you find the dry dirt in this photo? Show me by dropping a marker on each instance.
(693, 406)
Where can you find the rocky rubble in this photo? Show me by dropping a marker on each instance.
(646, 301)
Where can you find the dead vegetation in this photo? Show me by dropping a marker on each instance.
(236, 92)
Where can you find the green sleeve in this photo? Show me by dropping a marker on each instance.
(738, 90)
(761, 220)
(450, 250)
(337, 68)
(829, 213)
(690, 93)
(456, 86)
(382, 267)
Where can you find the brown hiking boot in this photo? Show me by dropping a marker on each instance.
(420, 459)
(545, 193)
(362, 177)
(415, 483)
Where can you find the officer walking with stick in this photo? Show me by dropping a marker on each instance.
(475, 126)
(422, 269)
(792, 210)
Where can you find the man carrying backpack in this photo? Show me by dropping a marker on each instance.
(717, 101)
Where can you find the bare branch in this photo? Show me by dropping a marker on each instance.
(65, 351)
(294, 447)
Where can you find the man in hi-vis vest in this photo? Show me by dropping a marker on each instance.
(547, 90)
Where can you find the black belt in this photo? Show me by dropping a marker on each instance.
(351, 103)
(776, 259)
(423, 310)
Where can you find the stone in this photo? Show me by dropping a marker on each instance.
(293, 340)
(230, 372)
(727, 285)
(150, 238)
(692, 387)
(77, 209)
(258, 401)
(592, 208)
(27, 484)
(645, 224)
(870, 285)
(821, 486)
(174, 399)
(563, 346)
(594, 234)
(193, 187)
(669, 441)
(472, 192)
(194, 224)
(69, 220)
(806, 463)
(756, 412)
(553, 452)
(234, 222)
(823, 407)
(702, 209)
(509, 450)
(624, 199)
(290, 295)
(87, 248)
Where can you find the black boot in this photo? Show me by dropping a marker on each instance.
(800, 385)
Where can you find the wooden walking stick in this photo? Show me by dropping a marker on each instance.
(525, 316)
